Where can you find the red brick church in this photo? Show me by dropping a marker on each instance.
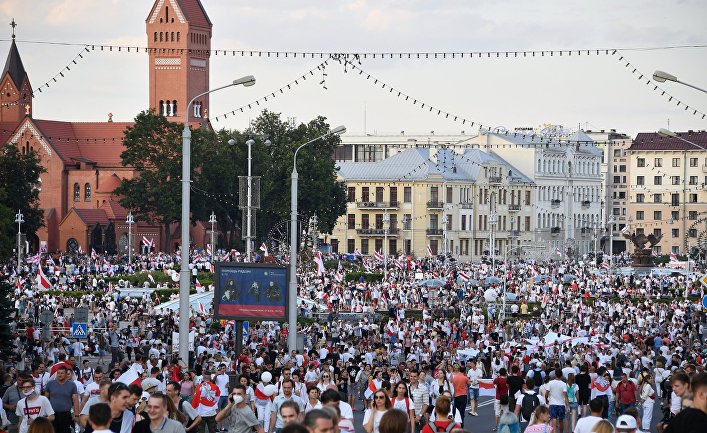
(80, 208)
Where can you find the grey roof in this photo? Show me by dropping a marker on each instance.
(415, 164)
(14, 66)
(585, 143)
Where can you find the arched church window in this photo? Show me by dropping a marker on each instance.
(175, 108)
(166, 12)
(77, 192)
(177, 36)
(155, 36)
(172, 37)
(162, 108)
(87, 192)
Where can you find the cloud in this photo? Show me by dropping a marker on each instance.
(67, 11)
(386, 19)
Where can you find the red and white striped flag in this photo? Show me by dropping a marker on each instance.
(400, 263)
(605, 264)
(34, 259)
(535, 271)
(264, 249)
(43, 282)
(463, 276)
(339, 276)
(198, 285)
(654, 253)
(80, 250)
(150, 277)
(371, 389)
(673, 257)
(557, 251)
(429, 251)
(209, 250)
(379, 256)
(202, 309)
(357, 253)
(366, 266)
(319, 262)
(94, 256)
(149, 243)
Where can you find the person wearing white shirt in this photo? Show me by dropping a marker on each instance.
(221, 380)
(475, 374)
(32, 406)
(586, 423)
(556, 395)
(527, 391)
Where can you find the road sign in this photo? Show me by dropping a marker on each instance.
(81, 314)
(46, 317)
(704, 302)
(79, 330)
(246, 327)
(703, 280)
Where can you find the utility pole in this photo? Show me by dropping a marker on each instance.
(130, 221)
(386, 219)
(212, 220)
(19, 219)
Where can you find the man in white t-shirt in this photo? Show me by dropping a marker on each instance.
(474, 374)
(556, 396)
(221, 380)
(587, 423)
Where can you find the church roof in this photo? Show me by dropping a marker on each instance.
(98, 142)
(14, 66)
(92, 216)
(195, 12)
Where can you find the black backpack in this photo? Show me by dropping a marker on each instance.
(538, 378)
(528, 405)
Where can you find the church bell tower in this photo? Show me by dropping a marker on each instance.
(179, 42)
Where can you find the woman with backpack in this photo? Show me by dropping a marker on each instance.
(572, 394)
(402, 401)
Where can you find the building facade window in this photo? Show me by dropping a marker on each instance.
(640, 180)
(351, 246)
(77, 192)
(658, 162)
(657, 198)
(676, 162)
(407, 194)
(87, 192)
(641, 162)
(657, 180)
(675, 180)
(351, 220)
(351, 194)
(640, 198)
(657, 215)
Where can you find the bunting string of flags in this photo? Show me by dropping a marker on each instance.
(656, 88)
(412, 55)
(289, 86)
(54, 79)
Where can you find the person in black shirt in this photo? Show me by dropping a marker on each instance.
(515, 383)
(583, 380)
(692, 419)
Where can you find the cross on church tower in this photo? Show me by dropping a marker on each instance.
(13, 24)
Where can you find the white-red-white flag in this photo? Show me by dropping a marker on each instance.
(673, 257)
(429, 251)
(339, 276)
(264, 249)
(319, 262)
(379, 256)
(43, 282)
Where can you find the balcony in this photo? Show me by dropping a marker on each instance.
(434, 232)
(377, 232)
(434, 204)
(586, 231)
(467, 205)
(514, 233)
(514, 207)
(494, 179)
(555, 231)
(586, 203)
(555, 203)
(378, 204)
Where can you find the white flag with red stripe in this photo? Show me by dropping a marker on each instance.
(557, 251)
(34, 259)
(43, 282)
(463, 276)
(339, 276)
(264, 249)
(94, 256)
(150, 277)
(379, 256)
(429, 251)
(199, 287)
(673, 257)
(319, 262)
(209, 250)
(400, 263)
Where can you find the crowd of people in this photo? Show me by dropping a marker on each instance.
(573, 347)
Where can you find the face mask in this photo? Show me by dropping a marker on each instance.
(237, 399)
(28, 392)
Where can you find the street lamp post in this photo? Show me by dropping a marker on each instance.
(386, 221)
(292, 286)
(130, 221)
(492, 241)
(611, 222)
(662, 77)
(249, 211)
(19, 219)
(184, 274)
(212, 220)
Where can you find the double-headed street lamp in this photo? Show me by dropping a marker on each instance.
(184, 274)
(292, 289)
(19, 219)
(662, 77)
(130, 220)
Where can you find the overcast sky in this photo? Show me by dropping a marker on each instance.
(596, 92)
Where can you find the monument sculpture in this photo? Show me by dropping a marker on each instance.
(642, 255)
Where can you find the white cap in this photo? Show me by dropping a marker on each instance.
(626, 422)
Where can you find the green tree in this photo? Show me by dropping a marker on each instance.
(20, 179)
(153, 146)
(8, 233)
(7, 317)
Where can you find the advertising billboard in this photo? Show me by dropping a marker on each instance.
(247, 291)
